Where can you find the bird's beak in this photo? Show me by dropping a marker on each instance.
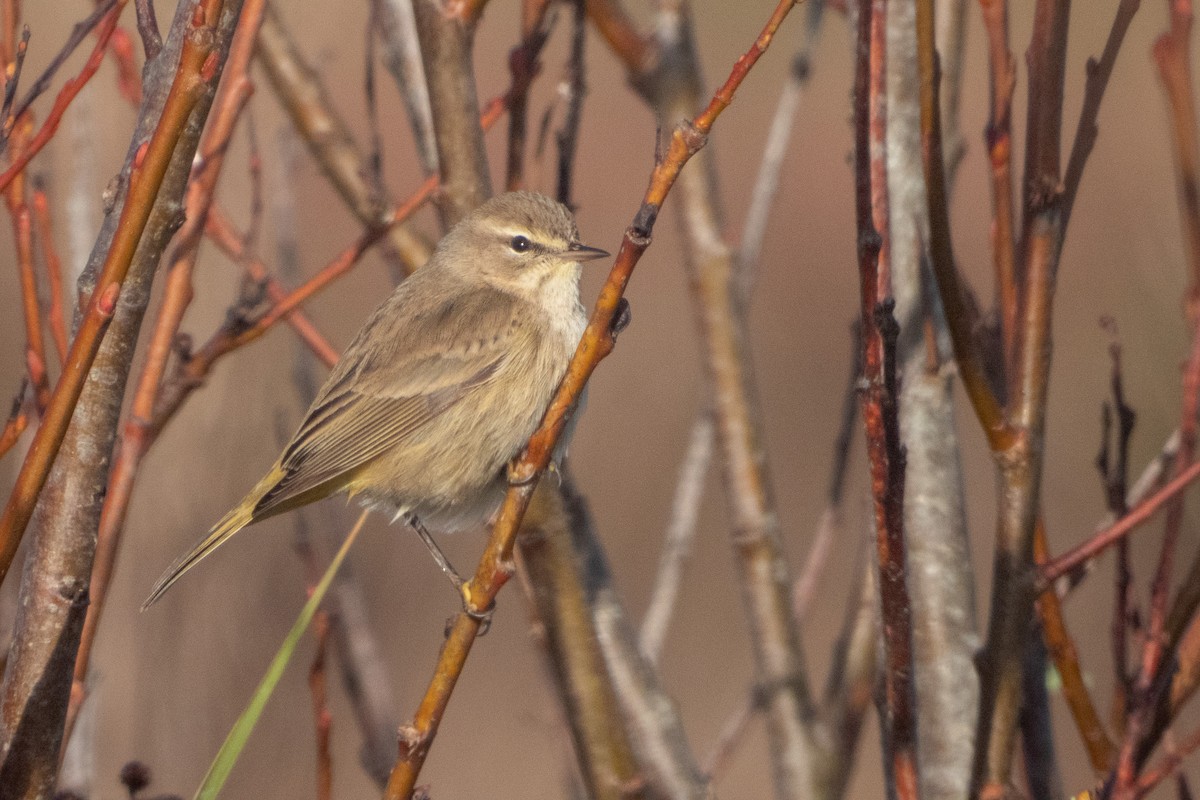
(581, 252)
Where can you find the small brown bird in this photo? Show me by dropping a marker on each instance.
(443, 385)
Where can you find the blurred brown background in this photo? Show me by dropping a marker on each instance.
(170, 682)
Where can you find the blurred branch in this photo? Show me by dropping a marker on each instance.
(55, 317)
(681, 528)
(35, 347)
(322, 717)
(397, 30)
(524, 66)
(495, 566)
(673, 92)
(950, 37)
(557, 595)
(567, 137)
(365, 677)
(1037, 732)
(37, 678)
(17, 420)
(854, 676)
(1172, 55)
(677, 543)
(65, 95)
(147, 25)
(302, 94)
(447, 33)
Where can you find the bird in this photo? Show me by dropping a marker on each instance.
(442, 386)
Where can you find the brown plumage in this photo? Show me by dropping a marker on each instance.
(442, 385)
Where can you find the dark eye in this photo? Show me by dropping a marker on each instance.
(520, 244)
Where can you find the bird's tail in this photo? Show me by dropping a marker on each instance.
(229, 524)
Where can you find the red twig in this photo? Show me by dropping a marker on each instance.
(65, 95)
(35, 347)
(220, 230)
(322, 718)
(1055, 568)
(78, 33)
(1169, 765)
(15, 425)
(55, 317)
(495, 566)
(129, 80)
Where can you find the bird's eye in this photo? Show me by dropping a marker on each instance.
(520, 244)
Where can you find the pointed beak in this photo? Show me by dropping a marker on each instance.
(581, 252)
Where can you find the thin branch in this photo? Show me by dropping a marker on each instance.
(65, 95)
(232, 244)
(677, 543)
(55, 317)
(524, 65)
(17, 420)
(301, 90)
(1098, 74)
(495, 566)
(397, 29)
(998, 137)
(35, 347)
(78, 33)
(1102, 753)
(1092, 547)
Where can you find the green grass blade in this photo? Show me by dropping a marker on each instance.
(235, 742)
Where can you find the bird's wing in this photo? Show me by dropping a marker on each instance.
(380, 396)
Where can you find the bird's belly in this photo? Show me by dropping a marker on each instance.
(451, 474)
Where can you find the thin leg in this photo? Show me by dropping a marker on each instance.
(414, 522)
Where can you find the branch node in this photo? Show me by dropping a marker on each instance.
(639, 232)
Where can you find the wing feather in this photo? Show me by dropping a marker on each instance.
(375, 400)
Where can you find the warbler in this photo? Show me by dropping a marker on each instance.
(443, 384)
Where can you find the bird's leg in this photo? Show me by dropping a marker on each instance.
(484, 617)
